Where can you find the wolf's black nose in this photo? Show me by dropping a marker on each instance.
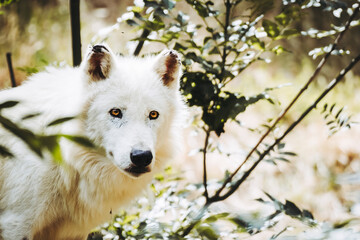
(141, 158)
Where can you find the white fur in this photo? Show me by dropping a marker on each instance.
(40, 199)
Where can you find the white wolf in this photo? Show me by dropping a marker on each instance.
(129, 107)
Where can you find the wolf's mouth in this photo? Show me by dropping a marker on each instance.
(137, 171)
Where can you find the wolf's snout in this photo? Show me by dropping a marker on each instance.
(141, 158)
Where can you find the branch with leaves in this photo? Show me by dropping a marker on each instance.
(228, 45)
(217, 196)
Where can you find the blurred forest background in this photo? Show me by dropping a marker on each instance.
(322, 173)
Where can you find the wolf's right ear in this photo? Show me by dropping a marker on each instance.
(99, 62)
(168, 67)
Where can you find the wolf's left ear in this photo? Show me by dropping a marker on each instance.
(168, 66)
(99, 62)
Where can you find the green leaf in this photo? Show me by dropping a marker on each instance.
(28, 70)
(342, 224)
(255, 43)
(136, 10)
(289, 153)
(290, 33)
(291, 209)
(324, 108)
(180, 48)
(215, 217)
(80, 140)
(200, 9)
(307, 214)
(198, 88)
(280, 146)
(8, 104)
(51, 143)
(239, 222)
(277, 204)
(5, 152)
(339, 112)
(26, 135)
(332, 107)
(29, 116)
(207, 231)
(278, 50)
(271, 28)
(152, 4)
(283, 19)
(154, 25)
(60, 121)
(168, 4)
(282, 159)
(132, 23)
(181, 18)
(330, 122)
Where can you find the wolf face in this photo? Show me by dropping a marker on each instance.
(131, 103)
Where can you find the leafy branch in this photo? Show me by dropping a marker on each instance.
(336, 119)
(282, 114)
(226, 47)
(38, 143)
(234, 186)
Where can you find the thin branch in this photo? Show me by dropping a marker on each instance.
(331, 85)
(140, 45)
(282, 114)
(11, 70)
(206, 194)
(226, 37)
(195, 220)
(213, 37)
(75, 31)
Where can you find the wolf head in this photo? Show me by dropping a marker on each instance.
(133, 105)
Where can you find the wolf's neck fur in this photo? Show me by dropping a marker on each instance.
(93, 188)
(96, 173)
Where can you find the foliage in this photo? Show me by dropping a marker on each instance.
(336, 119)
(216, 57)
(176, 203)
(38, 143)
(5, 3)
(215, 50)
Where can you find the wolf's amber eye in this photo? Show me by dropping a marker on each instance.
(115, 112)
(153, 115)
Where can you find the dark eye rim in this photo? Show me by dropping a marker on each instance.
(152, 117)
(116, 115)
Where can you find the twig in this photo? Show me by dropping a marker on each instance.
(11, 70)
(282, 114)
(75, 31)
(331, 85)
(206, 194)
(226, 37)
(140, 45)
(194, 221)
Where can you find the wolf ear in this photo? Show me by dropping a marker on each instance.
(99, 62)
(168, 66)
